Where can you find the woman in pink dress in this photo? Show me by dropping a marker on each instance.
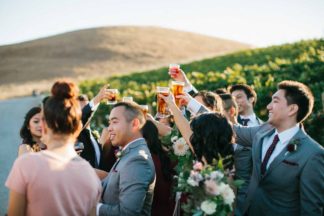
(55, 181)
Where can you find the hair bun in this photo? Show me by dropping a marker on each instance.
(64, 90)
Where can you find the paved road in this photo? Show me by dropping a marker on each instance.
(12, 114)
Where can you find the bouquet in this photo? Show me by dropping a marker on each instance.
(208, 190)
(178, 150)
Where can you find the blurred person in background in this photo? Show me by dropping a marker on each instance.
(230, 107)
(242, 154)
(92, 151)
(246, 98)
(31, 132)
(211, 100)
(220, 91)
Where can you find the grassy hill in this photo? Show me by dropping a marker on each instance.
(100, 52)
(261, 68)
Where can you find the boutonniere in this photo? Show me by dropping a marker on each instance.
(118, 153)
(292, 146)
(96, 134)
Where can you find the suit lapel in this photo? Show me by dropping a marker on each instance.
(129, 149)
(239, 120)
(283, 154)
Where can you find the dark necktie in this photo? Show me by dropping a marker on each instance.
(245, 121)
(268, 154)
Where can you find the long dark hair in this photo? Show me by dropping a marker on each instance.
(151, 135)
(212, 138)
(24, 130)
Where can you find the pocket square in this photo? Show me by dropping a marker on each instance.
(290, 163)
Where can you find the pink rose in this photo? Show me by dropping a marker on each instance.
(198, 166)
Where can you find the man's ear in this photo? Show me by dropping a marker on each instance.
(136, 123)
(252, 99)
(293, 109)
(232, 112)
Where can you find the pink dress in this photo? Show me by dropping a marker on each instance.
(54, 185)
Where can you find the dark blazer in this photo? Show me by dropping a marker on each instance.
(293, 183)
(88, 152)
(128, 189)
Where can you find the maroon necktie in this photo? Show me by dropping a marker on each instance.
(268, 154)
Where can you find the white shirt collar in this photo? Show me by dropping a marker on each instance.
(123, 149)
(251, 117)
(252, 120)
(286, 135)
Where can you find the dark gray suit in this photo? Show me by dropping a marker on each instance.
(294, 181)
(128, 188)
(243, 171)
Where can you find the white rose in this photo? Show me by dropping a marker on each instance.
(228, 195)
(216, 175)
(181, 140)
(208, 207)
(194, 178)
(212, 188)
(180, 147)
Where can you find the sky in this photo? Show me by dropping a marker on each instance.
(256, 22)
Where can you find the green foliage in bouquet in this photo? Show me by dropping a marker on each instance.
(179, 151)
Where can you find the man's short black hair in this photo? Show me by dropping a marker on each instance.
(248, 90)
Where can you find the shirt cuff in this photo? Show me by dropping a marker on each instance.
(193, 106)
(92, 106)
(188, 88)
(98, 207)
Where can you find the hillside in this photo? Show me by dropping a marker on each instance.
(261, 68)
(100, 52)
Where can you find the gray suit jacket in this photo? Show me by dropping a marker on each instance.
(243, 171)
(128, 188)
(294, 181)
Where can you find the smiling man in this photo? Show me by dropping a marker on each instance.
(288, 165)
(246, 98)
(128, 188)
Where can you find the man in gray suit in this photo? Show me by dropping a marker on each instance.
(288, 165)
(128, 188)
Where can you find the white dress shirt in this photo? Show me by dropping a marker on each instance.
(284, 138)
(193, 106)
(252, 120)
(95, 146)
